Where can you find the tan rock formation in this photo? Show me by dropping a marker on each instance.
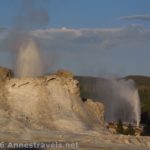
(5, 73)
(50, 102)
(95, 110)
(49, 108)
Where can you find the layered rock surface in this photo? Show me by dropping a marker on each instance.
(49, 102)
(49, 108)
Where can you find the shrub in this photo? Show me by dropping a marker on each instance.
(130, 130)
(64, 73)
(120, 129)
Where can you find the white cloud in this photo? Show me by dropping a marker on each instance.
(94, 38)
(90, 50)
(137, 17)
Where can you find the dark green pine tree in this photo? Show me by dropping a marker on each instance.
(120, 129)
(130, 130)
(147, 128)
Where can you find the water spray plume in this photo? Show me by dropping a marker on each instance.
(121, 100)
(128, 100)
(29, 59)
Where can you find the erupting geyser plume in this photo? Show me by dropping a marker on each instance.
(137, 107)
(128, 92)
(121, 100)
(24, 47)
(29, 59)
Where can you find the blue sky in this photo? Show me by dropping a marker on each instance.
(79, 13)
(89, 37)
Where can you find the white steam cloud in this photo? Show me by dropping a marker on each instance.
(25, 51)
(121, 100)
(29, 59)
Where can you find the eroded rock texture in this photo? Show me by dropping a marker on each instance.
(50, 102)
(95, 110)
(49, 108)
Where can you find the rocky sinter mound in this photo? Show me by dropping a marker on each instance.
(49, 108)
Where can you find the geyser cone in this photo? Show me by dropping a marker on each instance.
(29, 61)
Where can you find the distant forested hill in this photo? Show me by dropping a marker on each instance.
(140, 80)
(88, 88)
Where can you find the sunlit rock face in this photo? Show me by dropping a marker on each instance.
(50, 102)
(95, 110)
(49, 108)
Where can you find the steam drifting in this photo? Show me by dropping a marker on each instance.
(29, 61)
(121, 100)
(24, 47)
